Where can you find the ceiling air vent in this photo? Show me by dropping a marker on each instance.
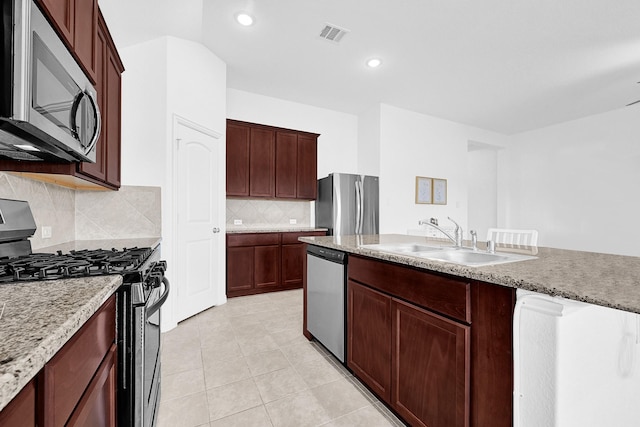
(332, 33)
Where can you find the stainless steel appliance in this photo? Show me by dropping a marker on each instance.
(48, 107)
(326, 289)
(348, 204)
(138, 302)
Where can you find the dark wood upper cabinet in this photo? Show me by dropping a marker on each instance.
(238, 160)
(286, 164)
(261, 163)
(105, 172)
(270, 162)
(76, 21)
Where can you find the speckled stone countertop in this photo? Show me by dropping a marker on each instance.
(602, 279)
(38, 318)
(144, 242)
(273, 230)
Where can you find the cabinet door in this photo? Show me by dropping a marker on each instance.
(262, 163)
(21, 411)
(98, 404)
(267, 266)
(369, 337)
(292, 263)
(239, 269)
(237, 160)
(286, 164)
(98, 169)
(62, 13)
(113, 112)
(307, 167)
(431, 368)
(84, 34)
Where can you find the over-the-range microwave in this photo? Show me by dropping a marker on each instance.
(48, 106)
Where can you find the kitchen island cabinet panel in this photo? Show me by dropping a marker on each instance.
(21, 411)
(430, 369)
(369, 337)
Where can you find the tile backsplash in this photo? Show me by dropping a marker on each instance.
(256, 213)
(131, 212)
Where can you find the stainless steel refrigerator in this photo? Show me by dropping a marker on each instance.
(348, 204)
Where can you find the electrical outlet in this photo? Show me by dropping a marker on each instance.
(293, 221)
(46, 232)
(237, 222)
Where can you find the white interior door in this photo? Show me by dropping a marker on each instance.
(200, 219)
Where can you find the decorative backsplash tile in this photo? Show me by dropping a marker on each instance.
(51, 205)
(130, 212)
(268, 213)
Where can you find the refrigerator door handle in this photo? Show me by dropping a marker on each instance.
(358, 208)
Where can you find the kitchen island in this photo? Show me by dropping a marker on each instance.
(434, 340)
(602, 279)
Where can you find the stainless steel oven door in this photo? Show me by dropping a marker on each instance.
(150, 355)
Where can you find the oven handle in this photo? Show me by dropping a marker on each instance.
(156, 305)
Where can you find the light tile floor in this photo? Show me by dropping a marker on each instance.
(246, 363)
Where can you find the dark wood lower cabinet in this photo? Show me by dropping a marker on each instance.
(438, 358)
(21, 411)
(265, 262)
(369, 337)
(430, 367)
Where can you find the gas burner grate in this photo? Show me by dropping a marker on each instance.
(80, 263)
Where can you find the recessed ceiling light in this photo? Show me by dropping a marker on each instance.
(244, 19)
(374, 62)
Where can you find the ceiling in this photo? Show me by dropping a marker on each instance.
(502, 65)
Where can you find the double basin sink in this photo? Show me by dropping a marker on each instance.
(456, 255)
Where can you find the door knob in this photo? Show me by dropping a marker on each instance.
(216, 230)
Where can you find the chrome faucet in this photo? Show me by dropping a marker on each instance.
(457, 240)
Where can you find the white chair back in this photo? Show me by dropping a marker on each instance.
(513, 237)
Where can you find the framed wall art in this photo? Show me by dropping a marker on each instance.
(424, 190)
(439, 191)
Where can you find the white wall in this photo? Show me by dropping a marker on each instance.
(482, 190)
(413, 144)
(338, 141)
(163, 77)
(369, 141)
(576, 182)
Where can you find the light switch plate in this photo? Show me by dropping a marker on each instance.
(46, 232)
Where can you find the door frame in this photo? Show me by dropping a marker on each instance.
(221, 296)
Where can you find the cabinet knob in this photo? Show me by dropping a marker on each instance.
(216, 230)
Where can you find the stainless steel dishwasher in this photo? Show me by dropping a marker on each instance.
(326, 301)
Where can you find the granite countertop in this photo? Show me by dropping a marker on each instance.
(38, 318)
(602, 279)
(75, 245)
(232, 230)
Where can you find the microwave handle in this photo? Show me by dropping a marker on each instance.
(96, 109)
(98, 127)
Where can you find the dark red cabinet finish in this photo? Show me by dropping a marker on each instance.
(265, 262)
(21, 411)
(105, 172)
(369, 337)
(436, 348)
(270, 162)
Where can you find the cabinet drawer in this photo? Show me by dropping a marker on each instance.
(292, 237)
(68, 374)
(441, 294)
(253, 239)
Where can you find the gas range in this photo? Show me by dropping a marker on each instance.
(77, 263)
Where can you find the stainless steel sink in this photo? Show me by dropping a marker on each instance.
(461, 256)
(471, 258)
(402, 248)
